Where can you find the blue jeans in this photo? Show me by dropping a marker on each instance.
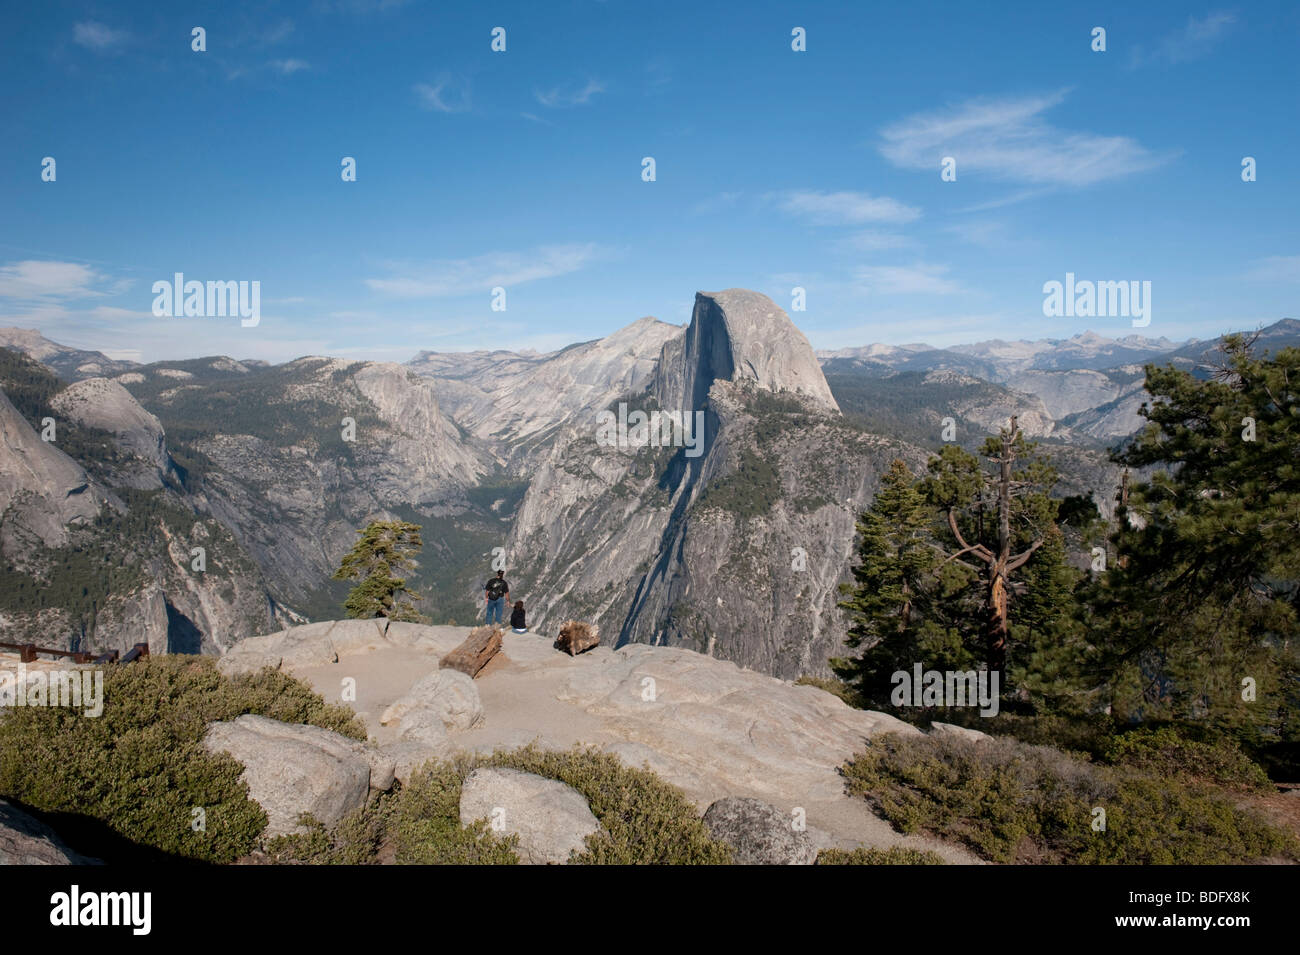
(496, 609)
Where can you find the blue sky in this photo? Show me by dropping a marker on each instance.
(523, 169)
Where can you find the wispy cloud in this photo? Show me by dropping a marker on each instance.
(845, 208)
(917, 279)
(289, 67)
(96, 36)
(33, 280)
(871, 240)
(987, 234)
(1010, 139)
(447, 95)
(444, 277)
(716, 203)
(1195, 40)
(561, 97)
(1276, 268)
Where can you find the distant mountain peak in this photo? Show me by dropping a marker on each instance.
(736, 335)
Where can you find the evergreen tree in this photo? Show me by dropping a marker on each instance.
(385, 550)
(1206, 593)
(891, 602)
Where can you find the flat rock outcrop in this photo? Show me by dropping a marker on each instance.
(705, 725)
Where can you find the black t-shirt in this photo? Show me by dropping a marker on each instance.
(517, 619)
(496, 588)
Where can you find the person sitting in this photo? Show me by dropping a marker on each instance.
(517, 618)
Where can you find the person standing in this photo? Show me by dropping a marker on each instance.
(495, 592)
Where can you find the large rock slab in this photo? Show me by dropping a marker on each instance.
(550, 818)
(292, 769)
(25, 840)
(758, 833)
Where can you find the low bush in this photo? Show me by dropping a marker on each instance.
(140, 768)
(1163, 752)
(895, 856)
(1013, 802)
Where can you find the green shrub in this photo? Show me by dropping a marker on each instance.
(140, 768)
(1163, 752)
(894, 856)
(644, 820)
(1014, 802)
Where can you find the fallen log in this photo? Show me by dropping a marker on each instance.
(577, 637)
(482, 644)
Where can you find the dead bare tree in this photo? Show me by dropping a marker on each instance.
(998, 564)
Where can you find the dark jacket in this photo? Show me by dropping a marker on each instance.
(517, 620)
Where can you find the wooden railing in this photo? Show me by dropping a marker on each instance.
(27, 653)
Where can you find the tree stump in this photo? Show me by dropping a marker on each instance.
(576, 637)
(479, 647)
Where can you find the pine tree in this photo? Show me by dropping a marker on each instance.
(891, 583)
(1206, 593)
(385, 549)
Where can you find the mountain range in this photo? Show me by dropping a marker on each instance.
(192, 503)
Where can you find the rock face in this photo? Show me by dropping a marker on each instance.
(292, 769)
(758, 833)
(738, 544)
(100, 403)
(551, 819)
(42, 490)
(513, 402)
(28, 841)
(735, 336)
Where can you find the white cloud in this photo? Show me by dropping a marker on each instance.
(1276, 268)
(561, 96)
(447, 95)
(443, 277)
(1192, 42)
(30, 280)
(289, 67)
(97, 36)
(919, 279)
(845, 208)
(1009, 139)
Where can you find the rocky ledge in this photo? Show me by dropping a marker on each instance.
(768, 749)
